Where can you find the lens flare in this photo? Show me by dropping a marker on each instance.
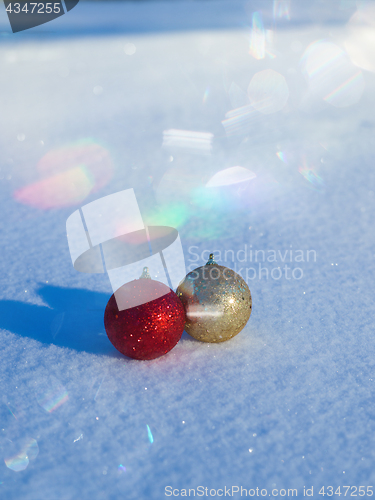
(339, 94)
(26, 450)
(198, 142)
(239, 121)
(281, 9)
(205, 95)
(173, 215)
(204, 206)
(67, 176)
(331, 75)
(232, 175)
(61, 190)
(52, 397)
(201, 205)
(15, 410)
(268, 91)
(282, 156)
(149, 434)
(258, 37)
(360, 38)
(17, 462)
(130, 49)
(310, 174)
(270, 54)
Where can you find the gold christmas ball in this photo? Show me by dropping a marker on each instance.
(217, 302)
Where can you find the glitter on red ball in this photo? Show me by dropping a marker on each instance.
(149, 330)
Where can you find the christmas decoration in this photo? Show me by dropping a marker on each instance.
(217, 302)
(151, 320)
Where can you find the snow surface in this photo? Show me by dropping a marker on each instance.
(287, 403)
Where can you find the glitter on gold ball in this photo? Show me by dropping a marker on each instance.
(217, 302)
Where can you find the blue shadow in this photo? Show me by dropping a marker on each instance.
(74, 319)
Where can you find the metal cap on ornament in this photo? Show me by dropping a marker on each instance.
(109, 235)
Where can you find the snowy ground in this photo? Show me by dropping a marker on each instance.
(287, 403)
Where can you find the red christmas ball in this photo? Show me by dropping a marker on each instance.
(148, 330)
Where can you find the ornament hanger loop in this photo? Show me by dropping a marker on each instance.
(211, 260)
(145, 273)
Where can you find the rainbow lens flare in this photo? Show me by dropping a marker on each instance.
(258, 37)
(331, 75)
(149, 434)
(310, 174)
(205, 95)
(174, 215)
(26, 450)
(68, 175)
(52, 398)
(205, 206)
(281, 9)
(15, 411)
(282, 156)
(239, 121)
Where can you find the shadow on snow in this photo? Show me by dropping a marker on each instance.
(74, 319)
